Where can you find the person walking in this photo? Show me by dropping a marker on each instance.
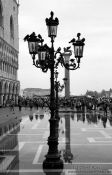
(20, 105)
(31, 105)
(12, 104)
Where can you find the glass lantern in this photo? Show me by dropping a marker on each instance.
(33, 44)
(78, 50)
(78, 47)
(52, 25)
(42, 53)
(52, 31)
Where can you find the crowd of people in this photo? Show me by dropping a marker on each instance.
(81, 103)
(88, 103)
(78, 103)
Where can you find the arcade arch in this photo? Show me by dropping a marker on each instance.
(8, 91)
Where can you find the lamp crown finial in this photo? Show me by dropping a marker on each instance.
(52, 14)
(78, 35)
(52, 22)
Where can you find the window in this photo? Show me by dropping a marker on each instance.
(1, 14)
(1, 131)
(11, 27)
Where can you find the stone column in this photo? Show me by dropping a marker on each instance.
(67, 75)
(5, 99)
(10, 96)
(1, 99)
(67, 85)
(16, 100)
(14, 97)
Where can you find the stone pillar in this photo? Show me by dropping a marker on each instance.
(10, 96)
(14, 97)
(67, 85)
(1, 99)
(5, 99)
(16, 100)
(67, 75)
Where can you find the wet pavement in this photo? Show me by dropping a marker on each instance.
(85, 143)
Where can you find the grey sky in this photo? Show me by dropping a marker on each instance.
(92, 18)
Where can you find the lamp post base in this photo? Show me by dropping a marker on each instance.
(53, 165)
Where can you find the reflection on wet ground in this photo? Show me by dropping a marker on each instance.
(85, 141)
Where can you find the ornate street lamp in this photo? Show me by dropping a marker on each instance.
(48, 58)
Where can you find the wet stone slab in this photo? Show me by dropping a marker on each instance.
(84, 143)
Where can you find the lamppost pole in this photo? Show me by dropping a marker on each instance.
(58, 88)
(56, 94)
(52, 97)
(52, 160)
(48, 58)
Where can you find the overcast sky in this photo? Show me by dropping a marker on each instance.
(92, 18)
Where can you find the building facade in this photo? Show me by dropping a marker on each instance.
(35, 92)
(9, 50)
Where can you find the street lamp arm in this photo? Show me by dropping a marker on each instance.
(61, 88)
(58, 61)
(72, 65)
(58, 86)
(46, 64)
(38, 65)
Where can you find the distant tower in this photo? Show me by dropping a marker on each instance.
(67, 74)
(9, 50)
